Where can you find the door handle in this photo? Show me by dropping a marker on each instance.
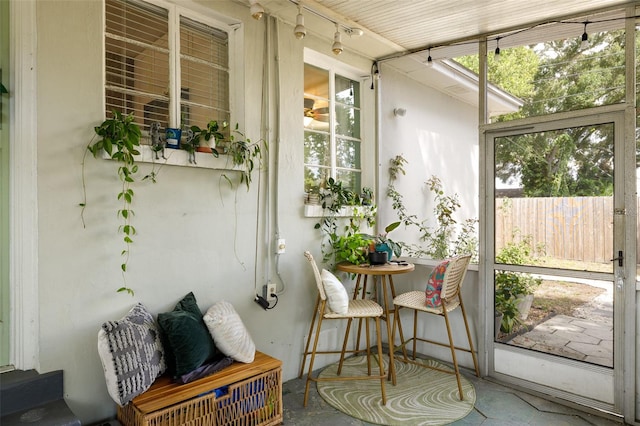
(620, 258)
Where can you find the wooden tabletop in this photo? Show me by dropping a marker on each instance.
(386, 269)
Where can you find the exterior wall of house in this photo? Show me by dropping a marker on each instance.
(438, 137)
(194, 233)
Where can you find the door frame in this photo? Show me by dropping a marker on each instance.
(23, 187)
(624, 313)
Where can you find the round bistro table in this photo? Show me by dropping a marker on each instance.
(386, 273)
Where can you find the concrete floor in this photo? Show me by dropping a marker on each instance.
(495, 405)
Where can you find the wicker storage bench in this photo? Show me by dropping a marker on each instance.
(238, 395)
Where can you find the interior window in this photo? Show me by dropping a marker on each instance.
(142, 76)
(332, 140)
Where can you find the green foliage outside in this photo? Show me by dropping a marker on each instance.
(553, 77)
(510, 287)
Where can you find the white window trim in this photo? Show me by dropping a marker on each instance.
(334, 67)
(234, 28)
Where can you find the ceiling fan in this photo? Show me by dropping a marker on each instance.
(316, 118)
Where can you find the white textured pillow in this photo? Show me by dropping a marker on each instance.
(336, 293)
(229, 333)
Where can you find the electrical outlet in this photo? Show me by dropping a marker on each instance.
(268, 290)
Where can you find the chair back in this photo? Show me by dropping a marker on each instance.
(316, 274)
(454, 276)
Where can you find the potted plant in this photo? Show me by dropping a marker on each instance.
(211, 135)
(512, 288)
(243, 153)
(351, 248)
(381, 243)
(119, 138)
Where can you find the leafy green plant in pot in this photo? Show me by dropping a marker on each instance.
(511, 287)
(381, 243)
(243, 153)
(119, 138)
(213, 131)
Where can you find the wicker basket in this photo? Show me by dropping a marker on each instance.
(255, 401)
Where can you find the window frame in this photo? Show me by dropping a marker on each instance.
(209, 17)
(334, 67)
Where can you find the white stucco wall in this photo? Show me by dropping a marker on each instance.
(194, 234)
(437, 136)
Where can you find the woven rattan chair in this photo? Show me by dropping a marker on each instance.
(358, 309)
(450, 299)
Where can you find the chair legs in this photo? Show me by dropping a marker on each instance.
(306, 349)
(382, 375)
(450, 344)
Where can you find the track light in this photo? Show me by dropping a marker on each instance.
(337, 42)
(585, 37)
(429, 61)
(496, 56)
(300, 31)
(354, 32)
(256, 9)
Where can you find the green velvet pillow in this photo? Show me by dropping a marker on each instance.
(188, 344)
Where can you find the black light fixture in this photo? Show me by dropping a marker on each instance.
(585, 37)
(429, 61)
(496, 55)
(375, 74)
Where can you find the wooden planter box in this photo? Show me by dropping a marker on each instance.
(239, 395)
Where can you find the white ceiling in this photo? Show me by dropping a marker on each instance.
(399, 32)
(399, 26)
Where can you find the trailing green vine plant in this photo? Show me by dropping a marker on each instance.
(446, 238)
(119, 137)
(244, 153)
(342, 238)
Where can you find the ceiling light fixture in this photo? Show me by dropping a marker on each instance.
(496, 56)
(585, 37)
(300, 31)
(256, 9)
(375, 74)
(337, 42)
(429, 61)
(354, 32)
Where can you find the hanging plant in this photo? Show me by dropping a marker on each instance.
(119, 138)
(244, 154)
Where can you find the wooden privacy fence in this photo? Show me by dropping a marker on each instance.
(571, 228)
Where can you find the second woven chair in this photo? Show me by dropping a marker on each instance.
(350, 309)
(441, 298)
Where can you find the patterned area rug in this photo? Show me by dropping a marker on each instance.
(422, 396)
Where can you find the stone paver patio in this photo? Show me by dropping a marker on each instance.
(586, 336)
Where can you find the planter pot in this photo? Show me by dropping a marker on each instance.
(313, 199)
(173, 137)
(497, 323)
(524, 305)
(385, 248)
(377, 257)
(204, 149)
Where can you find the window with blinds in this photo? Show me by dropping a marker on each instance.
(178, 77)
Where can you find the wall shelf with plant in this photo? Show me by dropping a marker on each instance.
(118, 138)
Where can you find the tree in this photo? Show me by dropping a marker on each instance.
(576, 161)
